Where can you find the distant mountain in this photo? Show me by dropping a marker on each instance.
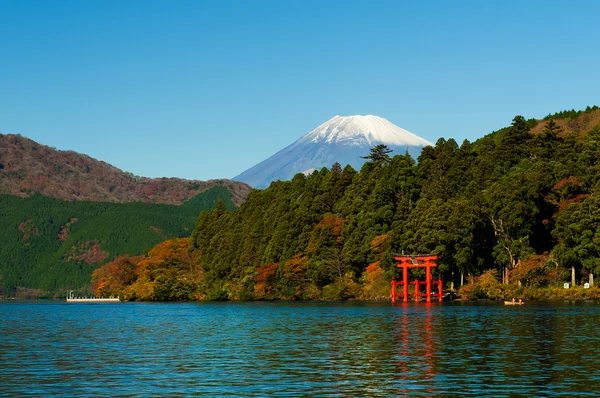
(342, 139)
(27, 167)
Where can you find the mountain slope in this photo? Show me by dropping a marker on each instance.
(51, 244)
(342, 139)
(27, 167)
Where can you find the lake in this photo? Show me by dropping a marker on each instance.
(299, 349)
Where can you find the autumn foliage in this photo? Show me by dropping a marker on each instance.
(536, 270)
(376, 285)
(167, 272)
(114, 278)
(264, 280)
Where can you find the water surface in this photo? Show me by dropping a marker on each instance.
(299, 349)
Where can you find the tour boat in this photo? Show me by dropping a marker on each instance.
(71, 299)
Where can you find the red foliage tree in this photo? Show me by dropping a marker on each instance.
(264, 280)
(114, 277)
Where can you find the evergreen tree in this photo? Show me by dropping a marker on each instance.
(379, 155)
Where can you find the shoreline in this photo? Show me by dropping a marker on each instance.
(456, 300)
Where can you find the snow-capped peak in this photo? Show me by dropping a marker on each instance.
(343, 139)
(358, 130)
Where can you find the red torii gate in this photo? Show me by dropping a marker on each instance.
(416, 261)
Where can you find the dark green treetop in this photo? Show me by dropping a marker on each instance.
(379, 155)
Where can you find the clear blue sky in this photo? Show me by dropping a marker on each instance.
(207, 89)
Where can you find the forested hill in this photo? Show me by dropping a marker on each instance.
(519, 205)
(50, 245)
(27, 167)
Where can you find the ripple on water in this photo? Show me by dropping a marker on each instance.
(298, 349)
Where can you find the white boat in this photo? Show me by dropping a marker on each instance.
(72, 299)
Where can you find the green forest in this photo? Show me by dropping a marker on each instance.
(50, 245)
(513, 213)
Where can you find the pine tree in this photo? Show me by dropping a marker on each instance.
(379, 155)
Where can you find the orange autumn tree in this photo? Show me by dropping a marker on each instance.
(293, 277)
(169, 272)
(113, 278)
(536, 270)
(264, 281)
(375, 283)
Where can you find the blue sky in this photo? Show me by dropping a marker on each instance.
(207, 89)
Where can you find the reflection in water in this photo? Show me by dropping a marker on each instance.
(299, 349)
(416, 348)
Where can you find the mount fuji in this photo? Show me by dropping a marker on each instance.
(342, 139)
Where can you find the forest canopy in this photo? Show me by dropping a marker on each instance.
(51, 245)
(517, 206)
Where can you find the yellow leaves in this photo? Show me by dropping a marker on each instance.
(380, 243)
(99, 291)
(376, 286)
(142, 289)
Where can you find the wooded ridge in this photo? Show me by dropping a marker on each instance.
(51, 245)
(27, 167)
(514, 210)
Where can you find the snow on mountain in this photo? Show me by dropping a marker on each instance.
(360, 130)
(342, 139)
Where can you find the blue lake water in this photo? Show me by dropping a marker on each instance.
(299, 349)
